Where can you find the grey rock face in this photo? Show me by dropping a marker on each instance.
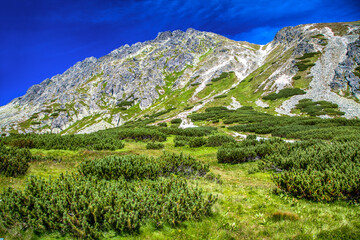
(303, 47)
(344, 79)
(89, 95)
(287, 35)
(334, 63)
(129, 73)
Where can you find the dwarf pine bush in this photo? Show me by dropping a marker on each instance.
(115, 193)
(154, 145)
(319, 171)
(219, 139)
(93, 141)
(14, 161)
(247, 150)
(142, 167)
(86, 207)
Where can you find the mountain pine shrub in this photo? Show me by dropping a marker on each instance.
(115, 193)
(132, 167)
(141, 134)
(162, 124)
(190, 132)
(14, 161)
(86, 207)
(247, 150)
(176, 120)
(219, 139)
(93, 141)
(318, 171)
(284, 93)
(180, 141)
(197, 142)
(154, 145)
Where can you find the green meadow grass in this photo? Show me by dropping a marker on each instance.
(247, 206)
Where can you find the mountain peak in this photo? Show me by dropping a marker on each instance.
(194, 69)
(175, 34)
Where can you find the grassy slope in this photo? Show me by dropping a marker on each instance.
(245, 209)
(247, 92)
(252, 87)
(215, 87)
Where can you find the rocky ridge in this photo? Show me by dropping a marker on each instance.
(176, 70)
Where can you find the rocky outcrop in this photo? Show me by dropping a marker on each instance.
(288, 35)
(334, 58)
(345, 81)
(101, 93)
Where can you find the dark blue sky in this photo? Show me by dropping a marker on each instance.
(42, 38)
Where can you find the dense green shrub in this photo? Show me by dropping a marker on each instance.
(304, 64)
(14, 161)
(22, 143)
(357, 71)
(247, 150)
(87, 207)
(216, 109)
(223, 75)
(230, 153)
(116, 193)
(219, 139)
(308, 55)
(211, 114)
(251, 137)
(190, 132)
(196, 117)
(182, 138)
(94, 141)
(176, 120)
(154, 145)
(140, 134)
(318, 171)
(197, 142)
(304, 128)
(162, 124)
(184, 165)
(284, 93)
(180, 141)
(318, 108)
(132, 167)
(243, 114)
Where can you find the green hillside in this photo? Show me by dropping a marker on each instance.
(198, 183)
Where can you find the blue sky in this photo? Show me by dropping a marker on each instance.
(40, 39)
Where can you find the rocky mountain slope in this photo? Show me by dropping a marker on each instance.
(181, 72)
